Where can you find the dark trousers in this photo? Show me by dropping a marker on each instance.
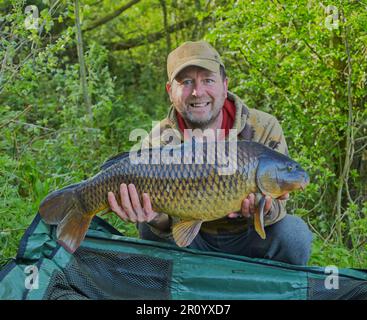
(288, 240)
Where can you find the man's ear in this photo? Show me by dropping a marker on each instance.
(168, 89)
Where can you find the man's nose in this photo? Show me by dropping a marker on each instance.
(198, 89)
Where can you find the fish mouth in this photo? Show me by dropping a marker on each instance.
(304, 184)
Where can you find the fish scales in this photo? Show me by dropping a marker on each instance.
(191, 190)
(184, 190)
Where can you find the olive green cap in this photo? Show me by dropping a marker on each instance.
(199, 53)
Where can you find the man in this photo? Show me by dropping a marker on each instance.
(198, 89)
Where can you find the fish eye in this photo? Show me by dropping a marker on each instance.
(290, 167)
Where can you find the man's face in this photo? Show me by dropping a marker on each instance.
(198, 95)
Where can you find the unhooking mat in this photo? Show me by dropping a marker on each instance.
(109, 265)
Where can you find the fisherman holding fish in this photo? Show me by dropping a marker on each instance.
(198, 89)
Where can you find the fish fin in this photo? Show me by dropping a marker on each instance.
(72, 229)
(111, 161)
(184, 232)
(259, 218)
(57, 204)
(63, 208)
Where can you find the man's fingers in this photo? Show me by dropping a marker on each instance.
(126, 203)
(131, 209)
(113, 203)
(135, 201)
(233, 215)
(284, 197)
(147, 208)
(246, 208)
(251, 198)
(115, 207)
(267, 207)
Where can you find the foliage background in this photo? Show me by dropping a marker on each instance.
(303, 61)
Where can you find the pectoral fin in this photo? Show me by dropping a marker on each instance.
(259, 218)
(185, 232)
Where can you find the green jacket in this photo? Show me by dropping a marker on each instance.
(252, 125)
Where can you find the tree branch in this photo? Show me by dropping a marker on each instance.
(296, 27)
(111, 16)
(83, 77)
(152, 37)
(165, 23)
(349, 148)
(17, 116)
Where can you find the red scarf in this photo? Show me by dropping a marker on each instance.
(228, 112)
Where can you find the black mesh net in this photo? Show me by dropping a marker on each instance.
(347, 289)
(96, 274)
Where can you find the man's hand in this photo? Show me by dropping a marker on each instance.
(131, 208)
(248, 206)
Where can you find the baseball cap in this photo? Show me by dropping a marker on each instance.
(198, 53)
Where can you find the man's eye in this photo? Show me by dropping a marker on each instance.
(187, 82)
(209, 81)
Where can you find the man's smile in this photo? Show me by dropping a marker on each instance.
(199, 108)
(199, 104)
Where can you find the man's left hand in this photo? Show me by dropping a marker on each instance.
(248, 206)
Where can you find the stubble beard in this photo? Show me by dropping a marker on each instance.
(201, 123)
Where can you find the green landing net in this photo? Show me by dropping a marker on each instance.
(109, 265)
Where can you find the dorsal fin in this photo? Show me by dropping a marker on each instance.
(111, 161)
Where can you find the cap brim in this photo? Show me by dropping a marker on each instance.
(206, 64)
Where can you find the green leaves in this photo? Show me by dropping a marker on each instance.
(280, 57)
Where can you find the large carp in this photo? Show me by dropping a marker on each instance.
(190, 185)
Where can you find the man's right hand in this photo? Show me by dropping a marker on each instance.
(131, 209)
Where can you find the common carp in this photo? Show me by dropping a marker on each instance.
(186, 186)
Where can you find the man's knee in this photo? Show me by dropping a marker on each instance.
(294, 239)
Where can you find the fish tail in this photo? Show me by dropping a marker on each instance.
(72, 229)
(63, 208)
(57, 204)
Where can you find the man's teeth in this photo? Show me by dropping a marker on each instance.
(198, 105)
